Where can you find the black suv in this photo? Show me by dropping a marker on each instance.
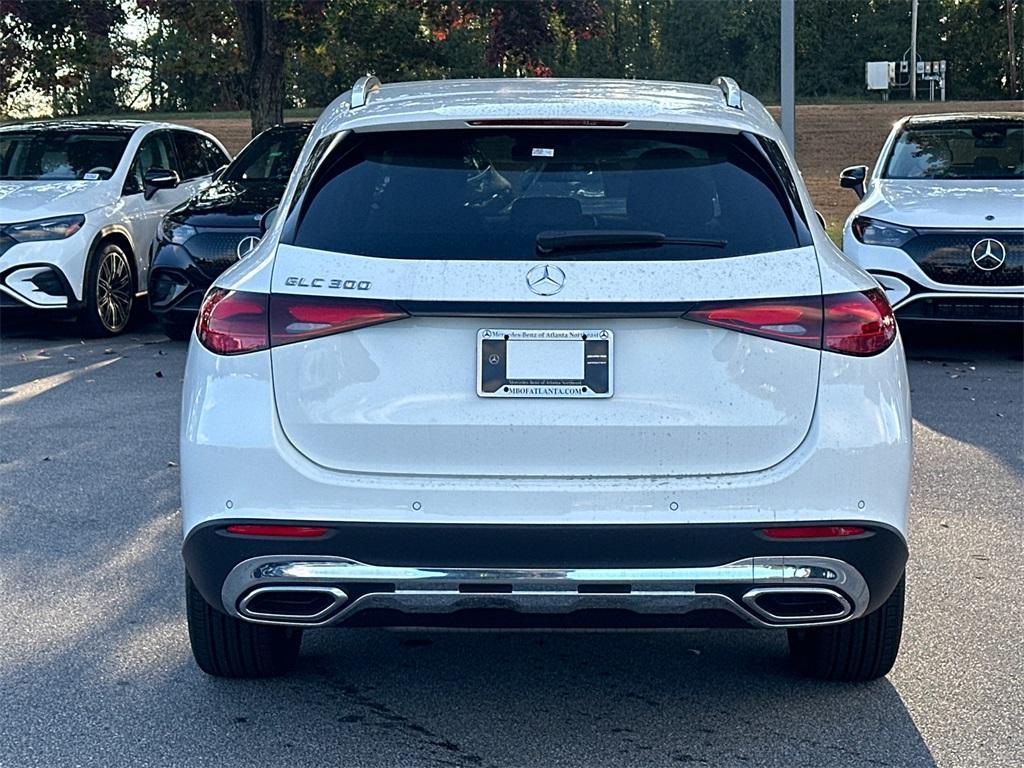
(200, 239)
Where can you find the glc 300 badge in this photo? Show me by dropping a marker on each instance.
(545, 280)
(329, 283)
(988, 254)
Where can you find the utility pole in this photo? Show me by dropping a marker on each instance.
(913, 50)
(787, 56)
(1012, 49)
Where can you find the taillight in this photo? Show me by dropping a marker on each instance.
(794, 320)
(234, 322)
(859, 323)
(297, 318)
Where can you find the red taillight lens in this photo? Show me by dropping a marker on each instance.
(814, 532)
(794, 320)
(282, 531)
(851, 323)
(859, 323)
(297, 318)
(233, 322)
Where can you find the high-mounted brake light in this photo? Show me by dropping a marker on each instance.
(234, 322)
(859, 323)
(555, 122)
(814, 532)
(281, 531)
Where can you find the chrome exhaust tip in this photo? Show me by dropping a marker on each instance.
(803, 605)
(291, 604)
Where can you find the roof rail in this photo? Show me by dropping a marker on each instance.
(731, 91)
(361, 90)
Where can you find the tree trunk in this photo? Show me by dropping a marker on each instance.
(265, 55)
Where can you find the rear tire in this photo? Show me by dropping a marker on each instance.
(862, 649)
(109, 291)
(227, 647)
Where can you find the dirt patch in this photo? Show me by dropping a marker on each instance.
(829, 138)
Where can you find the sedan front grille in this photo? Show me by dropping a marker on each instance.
(946, 258)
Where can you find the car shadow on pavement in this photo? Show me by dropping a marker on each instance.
(967, 382)
(588, 698)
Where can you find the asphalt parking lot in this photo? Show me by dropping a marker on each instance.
(95, 668)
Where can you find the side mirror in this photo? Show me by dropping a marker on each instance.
(267, 220)
(821, 219)
(157, 179)
(854, 178)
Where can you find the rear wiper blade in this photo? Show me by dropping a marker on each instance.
(596, 240)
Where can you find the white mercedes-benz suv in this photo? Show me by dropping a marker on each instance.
(545, 353)
(941, 221)
(80, 203)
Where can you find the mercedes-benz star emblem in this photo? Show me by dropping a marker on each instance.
(245, 245)
(545, 280)
(988, 254)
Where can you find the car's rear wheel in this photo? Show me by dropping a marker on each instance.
(227, 647)
(109, 291)
(862, 649)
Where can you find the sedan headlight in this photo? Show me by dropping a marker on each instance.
(875, 232)
(56, 228)
(172, 231)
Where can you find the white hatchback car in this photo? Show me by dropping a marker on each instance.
(80, 203)
(545, 352)
(941, 220)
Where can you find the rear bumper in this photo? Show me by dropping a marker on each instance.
(542, 575)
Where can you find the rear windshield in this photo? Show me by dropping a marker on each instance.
(61, 154)
(981, 150)
(515, 193)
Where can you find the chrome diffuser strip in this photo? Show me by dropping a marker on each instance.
(543, 590)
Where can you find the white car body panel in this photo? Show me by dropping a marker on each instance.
(106, 211)
(854, 464)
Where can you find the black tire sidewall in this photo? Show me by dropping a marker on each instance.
(90, 317)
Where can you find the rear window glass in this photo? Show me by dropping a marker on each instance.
(977, 150)
(515, 193)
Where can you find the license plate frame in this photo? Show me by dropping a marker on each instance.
(595, 348)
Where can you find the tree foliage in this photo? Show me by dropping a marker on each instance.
(103, 55)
